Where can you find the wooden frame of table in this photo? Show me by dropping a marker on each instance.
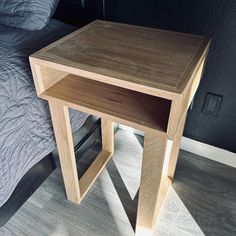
(141, 77)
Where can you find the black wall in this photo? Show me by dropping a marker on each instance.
(214, 18)
(79, 12)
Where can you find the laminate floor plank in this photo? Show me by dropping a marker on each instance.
(208, 190)
(202, 200)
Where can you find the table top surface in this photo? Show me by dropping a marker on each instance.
(144, 56)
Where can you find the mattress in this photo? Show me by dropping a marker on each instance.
(26, 133)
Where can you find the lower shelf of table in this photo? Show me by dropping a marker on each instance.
(129, 105)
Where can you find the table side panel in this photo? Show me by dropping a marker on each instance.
(105, 79)
(45, 77)
(195, 76)
(181, 103)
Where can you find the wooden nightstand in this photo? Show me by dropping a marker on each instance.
(141, 77)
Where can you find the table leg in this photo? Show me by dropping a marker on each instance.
(101, 160)
(63, 135)
(175, 148)
(151, 177)
(107, 135)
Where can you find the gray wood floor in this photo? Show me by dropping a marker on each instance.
(202, 200)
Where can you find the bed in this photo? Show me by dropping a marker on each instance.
(26, 134)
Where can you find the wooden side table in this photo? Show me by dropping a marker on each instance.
(141, 77)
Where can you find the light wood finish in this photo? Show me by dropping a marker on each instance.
(139, 108)
(106, 52)
(51, 76)
(183, 101)
(187, 98)
(37, 76)
(107, 135)
(93, 171)
(195, 82)
(164, 187)
(128, 53)
(192, 86)
(76, 189)
(151, 175)
(141, 77)
(174, 117)
(63, 134)
(45, 77)
(101, 160)
(175, 148)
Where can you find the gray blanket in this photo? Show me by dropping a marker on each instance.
(26, 134)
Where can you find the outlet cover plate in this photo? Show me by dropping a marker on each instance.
(212, 104)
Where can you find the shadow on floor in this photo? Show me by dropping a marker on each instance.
(129, 204)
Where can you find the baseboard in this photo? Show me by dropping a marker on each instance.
(208, 151)
(201, 149)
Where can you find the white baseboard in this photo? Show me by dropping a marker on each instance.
(201, 149)
(208, 151)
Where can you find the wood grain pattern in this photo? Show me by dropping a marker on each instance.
(107, 135)
(128, 53)
(63, 135)
(173, 121)
(193, 84)
(76, 189)
(164, 187)
(181, 103)
(37, 76)
(161, 64)
(93, 171)
(45, 77)
(106, 51)
(51, 76)
(151, 176)
(176, 125)
(139, 108)
(175, 148)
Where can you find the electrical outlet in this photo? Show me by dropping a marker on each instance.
(212, 104)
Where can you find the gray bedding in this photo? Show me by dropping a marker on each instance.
(27, 14)
(26, 134)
